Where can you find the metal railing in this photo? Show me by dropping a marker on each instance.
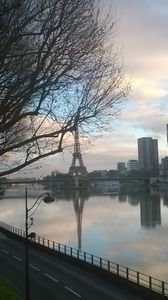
(139, 278)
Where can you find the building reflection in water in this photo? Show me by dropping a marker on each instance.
(165, 199)
(122, 198)
(150, 206)
(150, 211)
(134, 199)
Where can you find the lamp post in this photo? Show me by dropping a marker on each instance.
(28, 215)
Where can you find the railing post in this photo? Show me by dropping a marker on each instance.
(137, 277)
(150, 282)
(43, 241)
(127, 273)
(92, 259)
(64, 249)
(77, 253)
(118, 270)
(58, 247)
(163, 288)
(38, 239)
(48, 244)
(100, 262)
(53, 245)
(71, 251)
(108, 266)
(84, 256)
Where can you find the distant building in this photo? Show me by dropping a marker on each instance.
(148, 156)
(99, 173)
(121, 168)
(113, 173)
(132, 165)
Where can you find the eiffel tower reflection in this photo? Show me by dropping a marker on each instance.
(79, 199)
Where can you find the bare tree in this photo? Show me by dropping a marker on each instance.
(58, 68)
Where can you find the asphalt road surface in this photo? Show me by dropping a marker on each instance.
(54, 279)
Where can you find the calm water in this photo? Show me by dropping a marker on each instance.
(130, 228)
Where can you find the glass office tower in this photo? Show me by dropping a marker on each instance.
(148, 156)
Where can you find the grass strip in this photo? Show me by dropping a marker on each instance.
(7, 292)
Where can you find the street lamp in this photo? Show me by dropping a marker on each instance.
(29, 212)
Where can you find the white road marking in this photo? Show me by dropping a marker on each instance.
(73, 292)
(33, 267)
(52, 278)
(5, 251)
(16, 257)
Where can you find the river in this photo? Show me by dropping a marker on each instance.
(129, 227)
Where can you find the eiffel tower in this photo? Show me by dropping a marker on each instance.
(79, 169)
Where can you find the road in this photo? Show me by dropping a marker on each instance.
(54, 279)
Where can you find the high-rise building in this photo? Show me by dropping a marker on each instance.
(148, 156)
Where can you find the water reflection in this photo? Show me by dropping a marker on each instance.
(149, 202)
(78, 197)
(165, 199)
(150, 208)
(150, 211)
(122, 198)
(78, 202)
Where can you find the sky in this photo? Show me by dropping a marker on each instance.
(142, 34)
